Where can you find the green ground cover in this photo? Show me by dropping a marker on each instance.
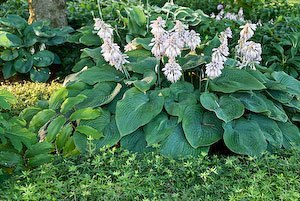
(120, 175)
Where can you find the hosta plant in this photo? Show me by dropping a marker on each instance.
(171, 93)
(19, 147)
(23, 47)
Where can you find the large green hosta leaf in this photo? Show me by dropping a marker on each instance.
(14, 21)
(146, 83)
(244, 137)
(9, 40)
(111, 134)
(270, 129)
(102, 93)
(159, 128)
(100, 74)
(257, 102)
(233, 80)
(254, 102)
(226, 108)
(201, 128)
(181, 95)
(177, 146)
(291, 135)
(9, 55)
(43, 58)
(141, 66)
(292, 84)
(135, 142)
(137, 109)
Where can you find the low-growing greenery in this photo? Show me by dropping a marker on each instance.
(28, 93)
(119, 175)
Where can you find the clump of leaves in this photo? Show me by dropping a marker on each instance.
(19, 147)
(251, 111)
(23, 47)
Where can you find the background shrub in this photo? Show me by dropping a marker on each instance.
(29, 93)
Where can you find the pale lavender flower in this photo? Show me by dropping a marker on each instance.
(105, 31)
(220, 7)
(192, 39)
(158, 27)
(247, 31)
(158, 49)
(172, 71)
(173, 45)
(213, 69)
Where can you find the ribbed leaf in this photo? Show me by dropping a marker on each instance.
(233, 80)
(111, 135)
(147, 82)
(102, 93)
(85, 114)
(226, 108)
(54, 127)
(57, 98)
(291, 135)
(292, 84)
(201, 128)
(135, 142)
(104, 73)
(177, 146)
(244, 137)
(159, 129)
(137, 109)
(270, 129)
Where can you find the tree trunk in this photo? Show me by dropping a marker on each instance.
(53, 10)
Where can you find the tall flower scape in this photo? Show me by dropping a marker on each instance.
(170, 43)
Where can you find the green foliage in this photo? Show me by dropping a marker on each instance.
(264, 10)
(100, 100)
(29, 94)
(22, 47)
(18, 7)
(19, 147)
(120, 175)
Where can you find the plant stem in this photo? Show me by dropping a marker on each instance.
(206, 86)
(157, 69)
(99, 9)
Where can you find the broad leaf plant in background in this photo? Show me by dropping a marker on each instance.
(171, 92)
(24, 47)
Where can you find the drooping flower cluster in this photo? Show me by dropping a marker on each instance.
(219, 56)
(110, 50)
(228, 15)
(248, 52)
(170, 44)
